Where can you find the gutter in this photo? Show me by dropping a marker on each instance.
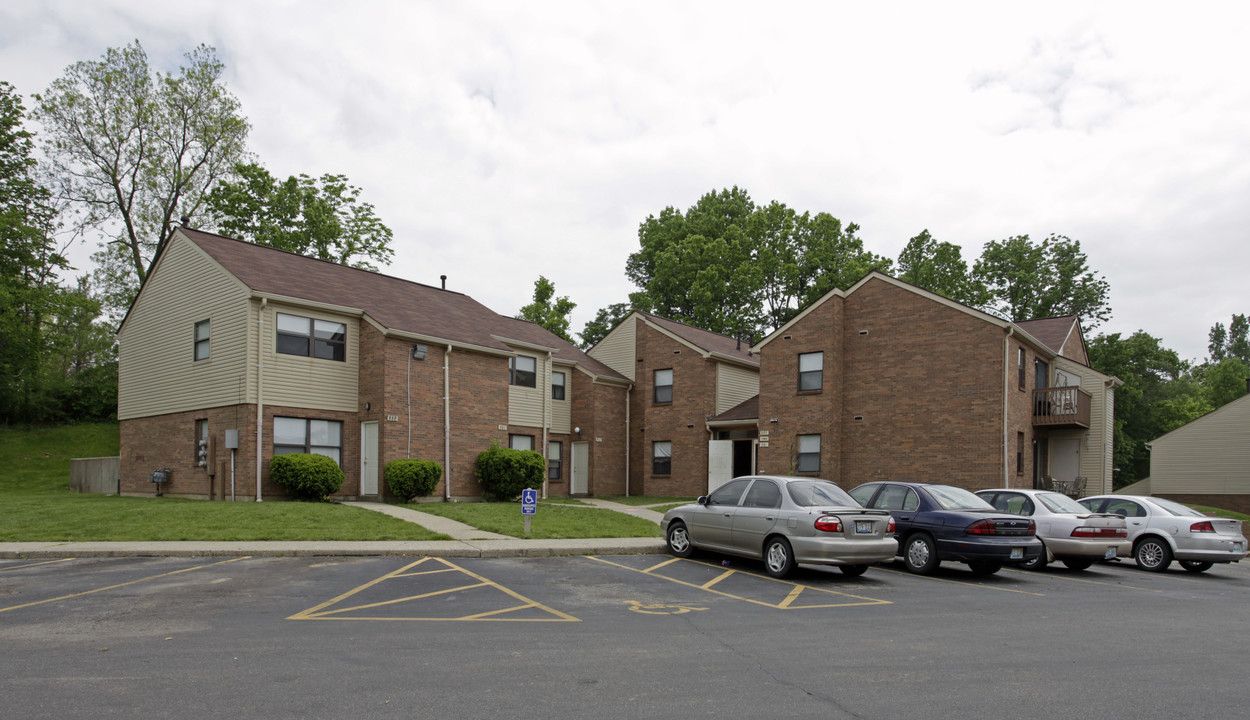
(260, 390)
(1011, 330)
(447, 424)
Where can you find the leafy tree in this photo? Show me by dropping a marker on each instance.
(321, 218)
(1224, 381)
(132, 151)
(940, 268)
(547, 310)
(603, 322)
(1232, 342)
(1028, 280)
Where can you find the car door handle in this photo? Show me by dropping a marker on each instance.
(904, 517)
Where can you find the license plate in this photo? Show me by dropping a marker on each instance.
(1236, 547)
(1017, 553)
(1109, 554)
(863, 526)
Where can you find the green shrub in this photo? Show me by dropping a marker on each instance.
(504, 472)
(409, 478)
(306, 477)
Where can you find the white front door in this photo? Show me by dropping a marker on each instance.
(720, 463)
(579, 480)
(369, 458)
(1065, 458)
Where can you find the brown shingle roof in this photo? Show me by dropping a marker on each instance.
(706, 339)
(1051, 332)
(393, 303)
(746, 410)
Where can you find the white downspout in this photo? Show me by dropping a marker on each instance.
(260, 391)
(628, 390)
(1006, 393)
(408, 394)
(447, 424)
(547, 424)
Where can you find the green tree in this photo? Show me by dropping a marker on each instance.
(547, 310)
(322, 218)
(940, 268)
(132, 151)
(603, 322)
(1027, 280)
(1232, 342)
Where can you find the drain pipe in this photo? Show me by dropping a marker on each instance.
(260, 391)
(408, 393)
(1011, 331)
(628, 390)
(447, 424)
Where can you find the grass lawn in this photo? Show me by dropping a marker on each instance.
(1223, 513)
(550, 521)
(38, 505)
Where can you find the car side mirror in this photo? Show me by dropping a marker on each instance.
(702, 500)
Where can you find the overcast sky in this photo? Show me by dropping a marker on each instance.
(504, 140)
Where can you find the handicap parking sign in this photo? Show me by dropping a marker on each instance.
(529, 501)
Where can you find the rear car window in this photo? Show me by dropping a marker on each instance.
(813, 494)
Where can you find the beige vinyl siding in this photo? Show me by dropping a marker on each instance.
(1210, 455)
(309, 382)
(562, 410)
(1096, 444)
(617, 349)
(525, 405)
(735, 385)
(157, 372)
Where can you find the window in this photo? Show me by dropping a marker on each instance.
(1019, 453)
(202, 331)
(811, 371)
(300, 435)
(523, 371)
(555, 461)
(1020, 365)
(664, 386)
(521, 442)
(729, 493)
(311, 338)
(557, 386)
(809, 453)
(201, 443)
(661, 457)
(763, 494)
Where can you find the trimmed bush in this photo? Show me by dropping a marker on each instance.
(305, 476)
(409, 478)
(504, 472)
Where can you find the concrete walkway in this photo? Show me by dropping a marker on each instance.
(635, 510)
(434, 523)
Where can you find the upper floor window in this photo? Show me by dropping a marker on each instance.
(811, 371)
(521, 442)
(663, 386)
(523, 371)
(298, 335)
(557, 386)
(809, 454)
(301, 435)
(202, 331)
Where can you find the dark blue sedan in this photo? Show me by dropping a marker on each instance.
(943, 522)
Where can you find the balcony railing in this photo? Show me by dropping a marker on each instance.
(1061, 407)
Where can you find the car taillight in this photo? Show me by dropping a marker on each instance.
(1204, 526)
(829, 523)
(1099, 532)
(982, 527)
(890, 528)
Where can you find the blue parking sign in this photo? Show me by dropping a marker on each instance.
(529, 501)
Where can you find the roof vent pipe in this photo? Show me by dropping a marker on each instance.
(444, 279)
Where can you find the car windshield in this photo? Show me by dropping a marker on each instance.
(815, 493)
(953, 498)
(1061, 503)
(1176, 508)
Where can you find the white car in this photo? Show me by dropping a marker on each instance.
(1162, 530)
(1071, 533)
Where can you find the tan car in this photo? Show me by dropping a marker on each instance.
(1072, 533)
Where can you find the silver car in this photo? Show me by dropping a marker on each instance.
(1161, 530)
(784, 521)
(1071, 533)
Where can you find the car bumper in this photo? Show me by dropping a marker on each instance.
(1093, 549)
(997, 549)
(829, 551)
(1218, 549)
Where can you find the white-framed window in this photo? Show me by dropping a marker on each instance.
(811, 371)
(557, 386)
(555, 459)
(664, 386)
(298, 335)
(203, 330)
(661, 457)
(521, 442)
(305, 435)
(523, 371)
(809, 454)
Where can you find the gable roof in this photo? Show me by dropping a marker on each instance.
(705, 340)
(1054, 332)
(746, 410)
(392, 303)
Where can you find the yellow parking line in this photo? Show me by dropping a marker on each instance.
(384, 603)
(961, 582)
(794, 594)
(119, 585)
(1083, 580)
(666, 563)
(717, 579)
(46, 562)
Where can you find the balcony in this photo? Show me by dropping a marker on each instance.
(1061, 407)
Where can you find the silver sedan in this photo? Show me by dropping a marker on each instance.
(1071, 533)
(1161, 530)
(784, 521)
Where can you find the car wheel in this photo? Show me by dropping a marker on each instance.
(920, 555)
(1036, 563)
(853, 570)
(778, 557)
(1152, 554)
(984, 567)
(679, 540)
(1078, 564)
(1196, 565)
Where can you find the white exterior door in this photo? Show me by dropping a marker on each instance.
(579, 480)
(720, 463)
(369, 458)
